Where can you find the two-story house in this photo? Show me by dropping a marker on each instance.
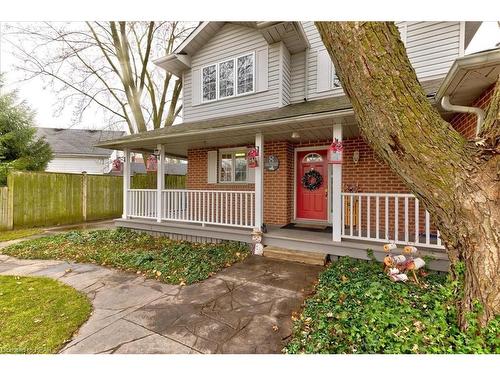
(262, 108)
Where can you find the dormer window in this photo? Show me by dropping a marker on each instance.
(228, 78)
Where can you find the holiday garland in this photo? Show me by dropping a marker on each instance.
(312, 180)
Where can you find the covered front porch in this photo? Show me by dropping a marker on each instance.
(354, 219)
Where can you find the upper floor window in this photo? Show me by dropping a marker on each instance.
(245, 74)
(209, 83)
(335, 80)
(228, 78)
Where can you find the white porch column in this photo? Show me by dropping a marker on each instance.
(336, 191)
(259, 182)
(160, 181)
(126, 181)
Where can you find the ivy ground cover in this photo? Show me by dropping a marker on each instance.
(357, 309)
(174, 262)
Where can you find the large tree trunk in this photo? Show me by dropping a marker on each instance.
(457, 180)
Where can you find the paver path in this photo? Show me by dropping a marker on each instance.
(245, 308)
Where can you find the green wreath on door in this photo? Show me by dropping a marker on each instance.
(312, 180)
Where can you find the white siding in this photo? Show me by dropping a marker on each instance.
(285, 75)
(297, 69)
(316, 46)
(233, 40)
(93, 165)
(432, 47)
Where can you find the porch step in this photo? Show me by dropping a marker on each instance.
(306, 257)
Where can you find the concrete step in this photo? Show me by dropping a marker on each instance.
(306, 257)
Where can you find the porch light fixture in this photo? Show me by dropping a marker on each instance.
(355, 157)
(157, 152)
(295, 135)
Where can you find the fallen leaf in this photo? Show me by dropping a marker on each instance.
(275, 328)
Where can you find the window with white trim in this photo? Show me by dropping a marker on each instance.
(228, 78)
(335, 82)
(209, 83)
(245, 74)
(233, 165)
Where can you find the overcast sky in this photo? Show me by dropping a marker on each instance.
(42, 100)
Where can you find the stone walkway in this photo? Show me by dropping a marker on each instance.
(245, 308)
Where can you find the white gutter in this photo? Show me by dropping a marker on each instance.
(306, 74)
(468, 62)
(445, 104)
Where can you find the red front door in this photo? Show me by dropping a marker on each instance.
(312, 203)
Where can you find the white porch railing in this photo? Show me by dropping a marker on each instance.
(215, 207)
(142, 203)
(384, 217)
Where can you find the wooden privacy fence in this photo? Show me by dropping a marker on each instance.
(45, 199)
(5, 212)
(148, 181)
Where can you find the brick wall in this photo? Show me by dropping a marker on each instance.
(369, 175)
(465, 123)
(278, 187)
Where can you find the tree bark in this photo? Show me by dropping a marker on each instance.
(456, 180)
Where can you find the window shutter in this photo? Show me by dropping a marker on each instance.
(212, 167)
(324, 71)
(195, 86)
(262, 69)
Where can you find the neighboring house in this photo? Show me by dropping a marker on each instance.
(270, 88)
(75, 152)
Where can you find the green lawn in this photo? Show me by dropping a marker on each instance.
(357, 309)
(174, 262)
(38, 315)
(18, 233)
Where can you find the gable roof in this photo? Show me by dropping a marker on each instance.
(290, 32)
(78, 141)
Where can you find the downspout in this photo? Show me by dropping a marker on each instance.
(445, 103)
(306, 74)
